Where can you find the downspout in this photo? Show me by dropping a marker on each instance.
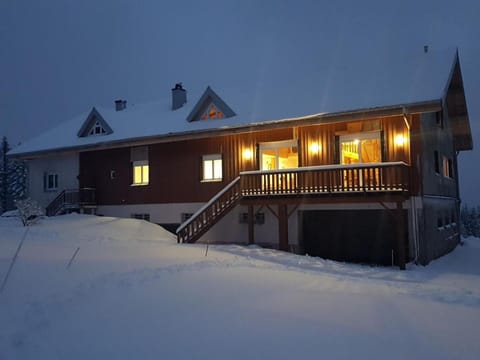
(416, 245)
(413, 202)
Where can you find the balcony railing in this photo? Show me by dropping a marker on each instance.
(330, 179)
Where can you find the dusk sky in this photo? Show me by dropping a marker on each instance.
(58, 58)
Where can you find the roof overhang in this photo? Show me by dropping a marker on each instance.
(315, 119)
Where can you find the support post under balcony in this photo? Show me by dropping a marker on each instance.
(251, 239)
(282, 227)
(400, 236)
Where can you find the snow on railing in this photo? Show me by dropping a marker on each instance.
(317, 180)
(208, 204)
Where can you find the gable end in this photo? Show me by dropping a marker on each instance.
(457, 109)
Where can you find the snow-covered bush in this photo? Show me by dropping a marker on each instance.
(28, 210)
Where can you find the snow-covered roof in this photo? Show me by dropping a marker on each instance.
(286, 89)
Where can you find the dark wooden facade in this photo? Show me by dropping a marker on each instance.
(176, 167)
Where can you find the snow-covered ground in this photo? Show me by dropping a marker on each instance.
(132, 293)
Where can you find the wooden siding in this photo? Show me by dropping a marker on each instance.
(176, 167)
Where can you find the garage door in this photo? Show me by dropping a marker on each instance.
(364, 236)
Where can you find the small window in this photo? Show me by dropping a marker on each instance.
(436, 162)
(97, 129)
(447, 167)
(440, 222)
(212, 168)
(145, 217)
(140, 173)
(51, 181)
(259, 218)
(212, 112)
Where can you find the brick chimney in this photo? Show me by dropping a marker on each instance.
(120, 105)
(179, 96)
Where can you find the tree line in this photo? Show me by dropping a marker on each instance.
(470, 219)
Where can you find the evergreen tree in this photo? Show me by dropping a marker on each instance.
(13, 178)
(470, 218)
(3, 175)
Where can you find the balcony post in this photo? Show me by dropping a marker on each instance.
(251, 239)
(400, 236)
(282, 227)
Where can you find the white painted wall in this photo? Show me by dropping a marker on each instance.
(65, 165)
(159, 213)
(229, 229)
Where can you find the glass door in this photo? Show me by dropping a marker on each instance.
(360, 148)
(277, 156)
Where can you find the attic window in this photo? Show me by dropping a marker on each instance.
(97, 129)
(212, 113)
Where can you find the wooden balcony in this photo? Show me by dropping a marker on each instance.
(315, 181)
(327, 180)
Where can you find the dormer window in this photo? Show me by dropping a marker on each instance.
(97, 129)
(212, 112)
(94, 125)
(210, 106)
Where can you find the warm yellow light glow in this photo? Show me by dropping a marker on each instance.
(314, 148)
(356, 141)
(400, 140)
(140, 173)
(247, 154)
(212, 168)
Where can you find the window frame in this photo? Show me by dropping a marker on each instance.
(97, 129)
(54, 177)
(142, 164)
(361, 136)
(140, 216)
(447, 167)
(212, 158)
(436, 162)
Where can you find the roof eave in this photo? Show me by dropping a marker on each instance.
(314, 119)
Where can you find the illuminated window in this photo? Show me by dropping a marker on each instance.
(97, 129)
(212, 113)
(140, 173)
(212, 167)
(360, 148)
(279, 155)
(447, 167)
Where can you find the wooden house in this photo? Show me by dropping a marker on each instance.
(370, 181)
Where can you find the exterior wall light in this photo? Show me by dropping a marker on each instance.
(247, 154)
(314, 148)
(400, 140)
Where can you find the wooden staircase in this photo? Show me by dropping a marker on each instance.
(71, 200)
(209, 214)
